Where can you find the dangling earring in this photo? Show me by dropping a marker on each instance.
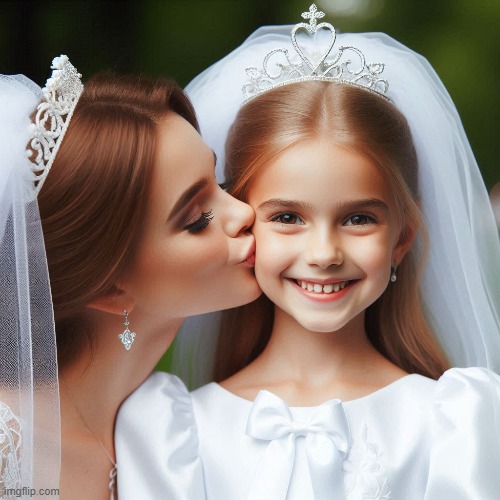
(127, 337)
(393, 274)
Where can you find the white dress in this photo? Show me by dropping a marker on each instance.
(156, 443)
(414, 439)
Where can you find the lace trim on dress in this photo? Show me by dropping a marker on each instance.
(10, 450)
(363, 473)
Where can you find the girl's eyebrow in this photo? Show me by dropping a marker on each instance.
(360, 204)
(282, 204)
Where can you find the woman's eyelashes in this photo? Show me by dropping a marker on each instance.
(201, 223)
(225, 185)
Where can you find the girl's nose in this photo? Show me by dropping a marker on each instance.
(324, 249)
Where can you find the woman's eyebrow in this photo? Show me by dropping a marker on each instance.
(187, 196)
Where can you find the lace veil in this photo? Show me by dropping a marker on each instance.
(29, 396)
(461, 285)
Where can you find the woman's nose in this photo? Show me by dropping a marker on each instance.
(238, 217)
(324, 249)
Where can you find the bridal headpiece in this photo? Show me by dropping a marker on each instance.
(314, 60)
(53, 115)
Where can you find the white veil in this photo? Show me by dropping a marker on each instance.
(461, 285)
(29, 395)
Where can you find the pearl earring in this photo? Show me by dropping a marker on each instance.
(393, 274)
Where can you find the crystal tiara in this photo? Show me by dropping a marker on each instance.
(53, 114)
(280, 68)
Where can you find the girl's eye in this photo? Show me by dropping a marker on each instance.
(201, 223)
(359, 220)
(287, 218)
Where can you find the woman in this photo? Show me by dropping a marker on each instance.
(138, 235)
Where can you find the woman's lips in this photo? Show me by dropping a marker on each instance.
(250, 255)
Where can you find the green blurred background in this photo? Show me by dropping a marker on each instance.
(180, 38)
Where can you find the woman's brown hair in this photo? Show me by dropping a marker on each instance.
(370, 125)
(94, 200)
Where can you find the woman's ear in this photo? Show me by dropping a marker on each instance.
(404, 244)
(113, 302)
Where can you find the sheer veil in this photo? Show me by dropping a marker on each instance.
(461, 285)
(29, 396)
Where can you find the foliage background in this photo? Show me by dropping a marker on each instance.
(180, 38)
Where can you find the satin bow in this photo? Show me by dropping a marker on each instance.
(327, 442)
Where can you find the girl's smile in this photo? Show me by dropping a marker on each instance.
(324, 291)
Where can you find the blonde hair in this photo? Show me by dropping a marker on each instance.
(95, 199)
(352, 117)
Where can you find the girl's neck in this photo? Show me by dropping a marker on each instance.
(307, 368)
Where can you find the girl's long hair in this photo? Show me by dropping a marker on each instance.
(348, 116)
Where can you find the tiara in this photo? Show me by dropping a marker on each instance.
(53, 114)
(280, 68)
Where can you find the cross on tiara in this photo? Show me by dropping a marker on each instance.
(312, 15)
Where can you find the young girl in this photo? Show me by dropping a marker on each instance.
(112, 230)
(378, 257)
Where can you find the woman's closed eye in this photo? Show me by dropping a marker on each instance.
(201, 223)
(287, 218)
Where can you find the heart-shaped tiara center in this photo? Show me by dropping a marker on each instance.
(319, 42)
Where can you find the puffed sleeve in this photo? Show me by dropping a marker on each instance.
(465, 454)
(156, 443)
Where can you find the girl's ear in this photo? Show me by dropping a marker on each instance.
(114, 302)
(404, 244)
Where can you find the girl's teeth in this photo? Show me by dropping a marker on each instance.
(317, 288)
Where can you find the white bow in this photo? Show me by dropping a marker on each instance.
(327, 443)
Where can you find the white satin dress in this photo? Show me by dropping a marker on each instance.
(156, 443)
(414, 439)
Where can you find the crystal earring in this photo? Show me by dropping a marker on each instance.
(127, 337)
(393, 274)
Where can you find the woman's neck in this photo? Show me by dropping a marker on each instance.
(97, 383)
(92, 388)
(307, 368)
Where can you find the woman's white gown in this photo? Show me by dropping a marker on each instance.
(414, 439)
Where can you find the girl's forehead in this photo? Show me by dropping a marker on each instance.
(321, 171)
